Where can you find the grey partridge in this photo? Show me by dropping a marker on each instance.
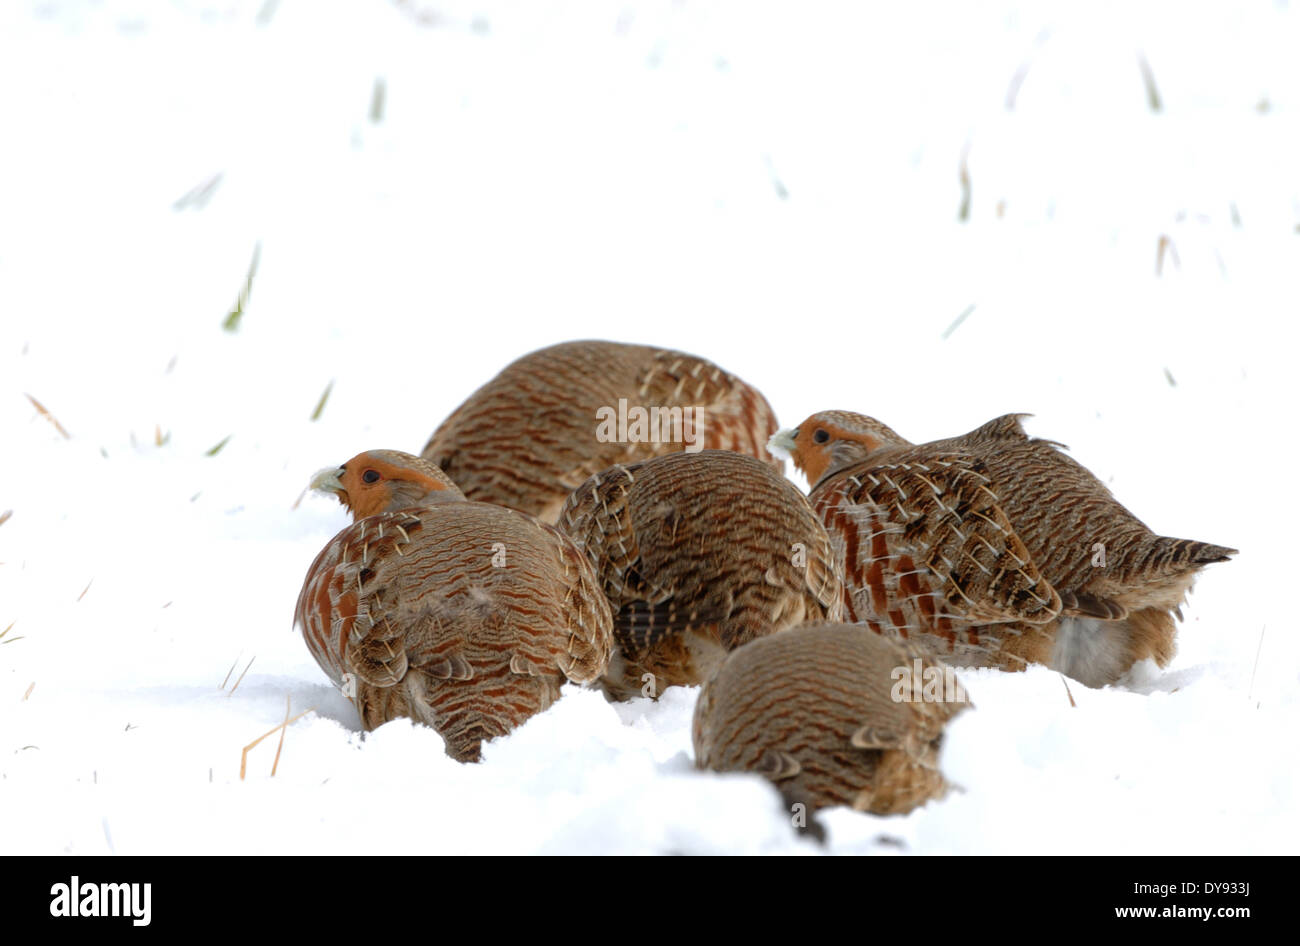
(554, 417)
(465, 616)
(993, 548)
(699, 553)
(832, 714)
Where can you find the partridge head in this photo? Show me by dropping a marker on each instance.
(384, 481)
(831, 440)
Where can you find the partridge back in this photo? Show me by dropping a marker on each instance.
(698, 554)
(465, 616)
(832, 714)
(541, 427)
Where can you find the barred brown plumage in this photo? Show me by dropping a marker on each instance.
(993, 548)
(531, 435)
(465, 616)
(832, 714)
(698, 554)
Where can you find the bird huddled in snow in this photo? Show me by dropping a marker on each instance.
(993, 548)
(832, 714)
(465, 616)
(699, 553)
(681, 555)
(551, 419)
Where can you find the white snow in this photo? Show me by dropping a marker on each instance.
(774, 186)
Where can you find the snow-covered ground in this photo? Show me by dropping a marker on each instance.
(437, 188)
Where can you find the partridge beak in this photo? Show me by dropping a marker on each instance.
(781, 443)
(327, 480)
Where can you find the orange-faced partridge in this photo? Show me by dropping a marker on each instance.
(833, 714)
(549, 420)
(699, 553)
(993, 548)
(464, 616)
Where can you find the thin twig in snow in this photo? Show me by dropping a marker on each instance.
(963, 212)
(41, 409)
(243, 759)
(320, 405)
(1149, 80)
(231, 323)
(233, 664)
(1162, 245)
(241, 676)
(1068, 693)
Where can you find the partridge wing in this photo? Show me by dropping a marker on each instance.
(928, 548)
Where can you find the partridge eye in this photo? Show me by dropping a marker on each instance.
(370, 476)
(821, 437)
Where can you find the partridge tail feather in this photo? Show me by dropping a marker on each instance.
(463, 716)
(1160, 571)
(417, 697)
(639, 625)
(1169, 555)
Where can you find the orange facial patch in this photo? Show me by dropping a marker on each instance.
(369, 499)
(813, 458)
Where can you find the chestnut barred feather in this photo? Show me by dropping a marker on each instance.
(994, 548)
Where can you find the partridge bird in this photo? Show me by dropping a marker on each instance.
(464, 616)
(698, 554)
(833, 714)
(536, 431)
(993, 548)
